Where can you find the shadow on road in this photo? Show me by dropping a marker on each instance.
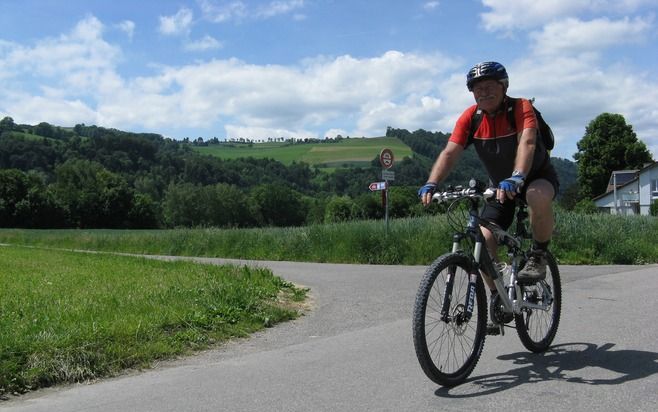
(584, 363)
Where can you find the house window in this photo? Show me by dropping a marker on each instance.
(654, 187)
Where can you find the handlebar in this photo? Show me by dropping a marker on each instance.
(459, 192)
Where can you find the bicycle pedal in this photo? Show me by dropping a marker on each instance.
(494, 329)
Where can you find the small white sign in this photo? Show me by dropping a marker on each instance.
(375, 186)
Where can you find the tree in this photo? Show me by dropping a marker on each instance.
(44, 129)
(93, 196)
(219, 205)
(7, 124)
(609, 144)
(339, 209)
(278, 205)
(25, 201)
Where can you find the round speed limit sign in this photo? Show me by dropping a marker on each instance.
(386, 158)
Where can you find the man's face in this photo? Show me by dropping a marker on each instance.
(488, 94)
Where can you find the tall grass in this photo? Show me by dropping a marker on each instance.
(69, 317)
(579, 239)
(606, 239)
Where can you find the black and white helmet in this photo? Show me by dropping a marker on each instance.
(484, 71)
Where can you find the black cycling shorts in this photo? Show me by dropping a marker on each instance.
(502, 214)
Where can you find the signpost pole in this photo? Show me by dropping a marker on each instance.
(386, 159)
(386, 207)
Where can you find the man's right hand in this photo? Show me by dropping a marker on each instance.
(425, 193)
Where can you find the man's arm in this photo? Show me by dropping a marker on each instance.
(525, 152)
(443, 165)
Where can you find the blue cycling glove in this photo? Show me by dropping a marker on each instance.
(429, 187)
(513, 184)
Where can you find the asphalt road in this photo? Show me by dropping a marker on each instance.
(353, 352)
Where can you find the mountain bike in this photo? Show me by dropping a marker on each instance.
(450, 311)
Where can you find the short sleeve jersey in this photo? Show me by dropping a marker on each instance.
(496, 139)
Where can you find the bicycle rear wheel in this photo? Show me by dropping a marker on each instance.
(448, 349)
(537, 328)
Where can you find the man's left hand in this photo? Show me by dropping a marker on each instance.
(510, 187)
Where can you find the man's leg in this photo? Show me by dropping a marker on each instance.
(539, 197)
(492, 248)
(501, 215)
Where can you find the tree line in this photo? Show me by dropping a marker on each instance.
(95, 177)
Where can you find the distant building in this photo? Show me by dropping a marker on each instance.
(630, 192)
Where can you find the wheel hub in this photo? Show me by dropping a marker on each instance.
(459, 322)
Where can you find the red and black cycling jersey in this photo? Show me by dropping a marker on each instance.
(496, 139)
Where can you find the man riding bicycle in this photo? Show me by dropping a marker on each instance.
(515, 158)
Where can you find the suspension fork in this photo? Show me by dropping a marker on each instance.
(450, 281)
(473, 276)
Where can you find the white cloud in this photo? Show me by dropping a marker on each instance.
(75, 60)
(333, 133)
(263, 133)
(414, 113)
(36, 109)
(203, 44)
(575, 36)
(271, 100)
(128, 27)
(214, 12)
(276, 8)
(431, 5)
(508, 15)
(220, 12)
(179, 23)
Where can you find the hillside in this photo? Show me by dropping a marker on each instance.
(93, 177)
(341, 152)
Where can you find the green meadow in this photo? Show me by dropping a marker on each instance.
(345, 152)
(578, 239)
(71, 317)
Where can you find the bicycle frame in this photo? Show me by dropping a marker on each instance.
(511, 295)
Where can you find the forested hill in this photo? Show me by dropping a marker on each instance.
(93, 177)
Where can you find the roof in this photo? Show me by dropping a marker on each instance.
(619, 187)
(620, 178)
(624, 178)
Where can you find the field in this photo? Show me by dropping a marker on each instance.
(71, 316)
(579, 239)
(342, 153)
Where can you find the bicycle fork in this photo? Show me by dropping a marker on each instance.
(463, 314)
(469, 303)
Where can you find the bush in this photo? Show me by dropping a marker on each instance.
(586, 206)
(653, 209)
(339, 209)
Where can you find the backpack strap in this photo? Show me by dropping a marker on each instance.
(476, 119)
(511, 104)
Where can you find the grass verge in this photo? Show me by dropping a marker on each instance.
(71, 317)
(579, 239)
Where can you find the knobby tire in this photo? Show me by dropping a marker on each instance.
(537, 328)
(448, 352)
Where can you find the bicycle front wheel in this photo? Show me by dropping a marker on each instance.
(448, 346)
(537, 328)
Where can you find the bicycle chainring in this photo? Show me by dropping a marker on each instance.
(497, 311)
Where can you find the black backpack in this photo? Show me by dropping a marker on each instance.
(543, 128)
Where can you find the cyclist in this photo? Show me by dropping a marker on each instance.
(515, 159)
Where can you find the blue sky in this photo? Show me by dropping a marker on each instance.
(316, 68)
